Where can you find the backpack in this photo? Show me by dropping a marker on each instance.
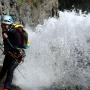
(23, 34)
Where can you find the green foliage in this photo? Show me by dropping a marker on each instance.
(20, 2)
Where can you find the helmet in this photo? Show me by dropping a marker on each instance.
(6, 19)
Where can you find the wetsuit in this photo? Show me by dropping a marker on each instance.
(9, 63)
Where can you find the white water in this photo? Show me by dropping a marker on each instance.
(59, 54)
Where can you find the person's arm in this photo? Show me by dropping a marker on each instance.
(5, 37)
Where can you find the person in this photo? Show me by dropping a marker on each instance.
(14, 54)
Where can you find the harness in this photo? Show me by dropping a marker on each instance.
(17, 56)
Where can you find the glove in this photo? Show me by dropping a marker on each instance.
(21, 55)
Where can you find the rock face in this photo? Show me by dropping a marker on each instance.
(44, 9)
(34, 11)
(29, 11)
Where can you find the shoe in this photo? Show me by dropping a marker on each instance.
(5, 89)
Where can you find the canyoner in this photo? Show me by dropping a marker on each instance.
(15, 40)
(18, 53)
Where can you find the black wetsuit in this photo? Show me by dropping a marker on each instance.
(9, 63)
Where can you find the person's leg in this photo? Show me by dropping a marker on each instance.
(9, 77)
(4, 68)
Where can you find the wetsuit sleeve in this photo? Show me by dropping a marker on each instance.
(7, 45)
(11, 43)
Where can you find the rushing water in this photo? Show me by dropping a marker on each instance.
(59, 55)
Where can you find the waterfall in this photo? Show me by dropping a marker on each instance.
(59, 54)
